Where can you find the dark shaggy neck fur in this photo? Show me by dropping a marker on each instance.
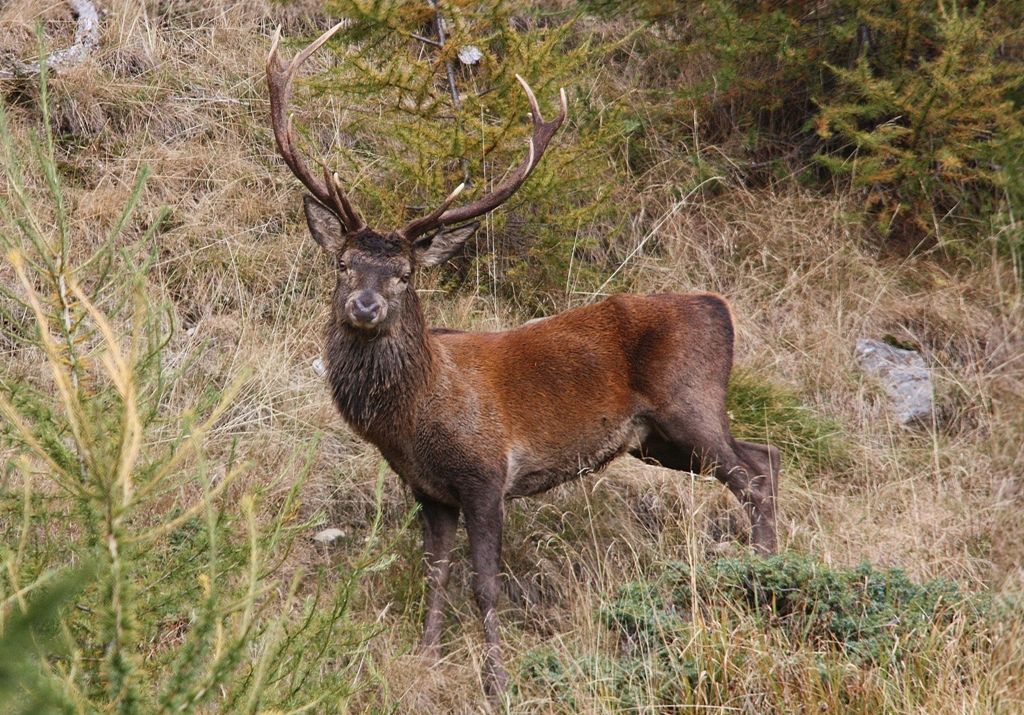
(375, 376)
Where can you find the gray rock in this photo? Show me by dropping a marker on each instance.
(904, 376)
(328, 537)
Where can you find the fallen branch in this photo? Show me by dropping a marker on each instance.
(87, 36)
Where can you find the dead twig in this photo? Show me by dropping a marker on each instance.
(87, 36)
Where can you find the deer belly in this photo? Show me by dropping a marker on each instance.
(532, 471)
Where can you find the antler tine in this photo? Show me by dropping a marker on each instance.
(274, 42)
(279, 81)
(542, 133)
(315, 45)
(353, 221)
(422, 225)
(339, 199)
(535, 114)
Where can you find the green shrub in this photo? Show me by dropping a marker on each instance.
(872, 615)
(734, 630)
(625, 684)
(923, 130)
(186, 604)
(917, 103)
(544, 240)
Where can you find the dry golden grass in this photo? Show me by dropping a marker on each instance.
(179, 87)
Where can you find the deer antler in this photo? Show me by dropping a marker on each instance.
(542, 134)
(328, 192)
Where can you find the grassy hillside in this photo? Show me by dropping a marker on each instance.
(169, 450)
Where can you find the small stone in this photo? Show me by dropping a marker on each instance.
(470, 54)
(319, 368)
(904, 376)
(328, 537)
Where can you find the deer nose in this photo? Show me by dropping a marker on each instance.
(366, 308)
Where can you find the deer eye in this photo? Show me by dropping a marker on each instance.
(341, 266)
(404, 278)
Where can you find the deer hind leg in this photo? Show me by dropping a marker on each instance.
(484, 515)
(682, 441)
(440, 522)
(663, 453)
(765, 460)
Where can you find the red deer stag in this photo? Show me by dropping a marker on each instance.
(470, 420)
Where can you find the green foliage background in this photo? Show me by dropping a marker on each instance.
(388, 73)
(918, 103)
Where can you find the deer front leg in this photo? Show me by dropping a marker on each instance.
(483, 524)
(440, 522)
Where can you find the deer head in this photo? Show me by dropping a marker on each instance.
(375, 268)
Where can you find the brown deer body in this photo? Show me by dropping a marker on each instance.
(469, 420)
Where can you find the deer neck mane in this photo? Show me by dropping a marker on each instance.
(376, 377)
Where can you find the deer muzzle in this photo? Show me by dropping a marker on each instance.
(365, 309)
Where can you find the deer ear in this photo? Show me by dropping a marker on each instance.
(436, 249)
(325, 226)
